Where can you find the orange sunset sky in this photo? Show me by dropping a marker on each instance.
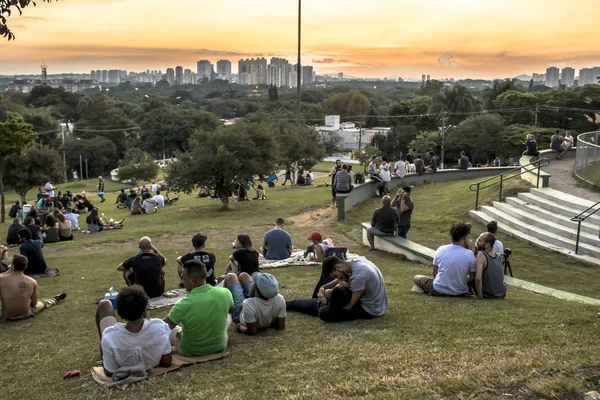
(473, 38)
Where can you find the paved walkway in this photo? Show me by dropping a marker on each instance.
(562, 179)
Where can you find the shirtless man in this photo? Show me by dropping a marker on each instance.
(18, 293)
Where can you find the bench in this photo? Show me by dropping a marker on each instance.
(397, 245)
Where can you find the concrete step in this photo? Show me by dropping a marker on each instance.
(556, 207)
(551, 216)
(575, 203)
(508, 230)
(566, 231)
(557, 240)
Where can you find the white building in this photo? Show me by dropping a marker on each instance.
(350, 136)
(552, 77)
(204, 69)
(224, 70)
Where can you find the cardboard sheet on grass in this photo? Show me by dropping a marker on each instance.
(296, 259)
(178, 361)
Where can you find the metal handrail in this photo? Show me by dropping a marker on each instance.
(579, 218)
(538, 164)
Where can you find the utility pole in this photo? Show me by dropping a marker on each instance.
(87, 176)
(537, 110)
(299, 66)
(81, 167)
(62, 128)
(443, 118)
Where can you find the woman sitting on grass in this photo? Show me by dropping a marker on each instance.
(50, 229)
(245, 258)
(97, 224)
(64, 227)
(261, 194)
(136, 206)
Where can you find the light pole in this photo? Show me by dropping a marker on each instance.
(299, 68)
(62, 129)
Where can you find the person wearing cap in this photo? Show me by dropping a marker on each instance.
(277, 244)
(257, 303)
(145, 269)
(101, 189)
(45, 204)
(316, 251)
(208, 259)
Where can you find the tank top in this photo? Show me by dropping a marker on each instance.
(493, 277)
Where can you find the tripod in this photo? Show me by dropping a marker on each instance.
(506, 262)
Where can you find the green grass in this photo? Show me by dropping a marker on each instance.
(438, 206)
(528, 346)
(323, 167)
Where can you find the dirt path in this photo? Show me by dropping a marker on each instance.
(318, 218)
(562, 179)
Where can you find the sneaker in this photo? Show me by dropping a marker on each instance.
(60, 296)
(376, 192)
(372, 250)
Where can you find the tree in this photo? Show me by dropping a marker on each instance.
(6, 9)
(512, 99)
(350, 104)
(228, 155)
(17, 136)
(34, 168)
(478, 136)
(100, 152)
(273, 95)
(300, 147)
(364, 156)
(498, 87)
(425, 142)
(44, 125)
(139, 166)
(456, 100)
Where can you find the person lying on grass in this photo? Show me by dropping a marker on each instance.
(145, 269)
(139, 338)
(257, 303)
(18, 292)
(96, 224)
(203, 314)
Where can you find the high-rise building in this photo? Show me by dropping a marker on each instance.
(585, 75)
(204, 69)
(567, 76)
(179, 74)
(170, 76)
(253, 71)
(552, 77)
(187, 76)
(307, 75)
(595, 79)
(114, 76)
(423, 78)
(538, 77)
(278, 72)
(224, 70)
(105, 76)
(428, 78)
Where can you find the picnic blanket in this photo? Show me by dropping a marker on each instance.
(178, 361)
(164, 301)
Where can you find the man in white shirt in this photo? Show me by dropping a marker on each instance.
(154, 188)
(492, 227)
(568, 142)
(400, 168)
(149, 204)
(159, 199)
(139, 340)
(49, 190)
(453, 266)
(73, 218)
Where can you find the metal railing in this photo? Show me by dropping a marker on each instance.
(579, 218)
(536, 165)
(587, 158)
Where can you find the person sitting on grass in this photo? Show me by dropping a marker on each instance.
(453, 266)
(50, 230)
(316, 251)
(160, 199)
(277, 244)
(34, 213)
(12, 237)
(32, 249)
(73, 218)
(489, 278)
(18, 292)
(369, 295)
(208, 259)
(14, 210)
(257, 303)
(492, 227)
(45, 204)
(384, 222)
(3, 259)
(145, 269)
(244, 258)
(122, 199)
(139, 337)
(136, 206)
(149, 204)
(261, 194)
(203, 314)
(64, 227)
(36, 234)
(94, 223)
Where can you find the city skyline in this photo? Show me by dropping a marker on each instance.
(443, 38)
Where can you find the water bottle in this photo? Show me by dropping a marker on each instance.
(112, 297)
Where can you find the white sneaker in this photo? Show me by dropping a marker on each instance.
(377, 192)
(417, 289)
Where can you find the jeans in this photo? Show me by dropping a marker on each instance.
(304, 306)
(329, 314)
(403, 230)
(239, 294)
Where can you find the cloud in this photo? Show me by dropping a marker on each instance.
(447, 61)
(217, 52)
(328, 61)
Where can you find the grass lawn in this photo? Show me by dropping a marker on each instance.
(438, 206)
(526, 346)
(323, 167)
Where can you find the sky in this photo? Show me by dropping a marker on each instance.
(374, 38)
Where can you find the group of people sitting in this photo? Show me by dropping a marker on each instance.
(381, 171)
(558, 143)
(143, 201)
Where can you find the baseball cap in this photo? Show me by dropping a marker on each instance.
(266, 284)
(48, 200)
(315, 236)
(198, 240)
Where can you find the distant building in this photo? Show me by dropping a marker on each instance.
(204, 69)
(585, 76)
(224, 70)
(552, 77)
(423, 78)
(428, 78)
(253, 71)
(26, 85)
(170, 76)
(567, 76)
(307, 75)
(278, 72)
(187, 76)
(179, 74)
(350, 136)
(539, 78)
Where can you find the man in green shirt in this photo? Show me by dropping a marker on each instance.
(203, 314)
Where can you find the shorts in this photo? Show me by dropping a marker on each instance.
(376, 178)
(239, 294)
(333, 191)
(376, 232)
(107, 322)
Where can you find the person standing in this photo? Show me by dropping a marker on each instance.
(404, 205)
(288, 176)
(277, 244)
(154, 187)
(101, 189)
(332, 173)
(49, 190)
(383, 223)
(489, 278)
(75, 177)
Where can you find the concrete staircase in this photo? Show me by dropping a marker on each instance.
(542, 217)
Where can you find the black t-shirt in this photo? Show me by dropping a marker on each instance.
(386, 219)
(148, 271)
(208, 259)
(35, 231)
(247, 260)
(532, 148)
(13, 234)
(14, 210)
(35, 258)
